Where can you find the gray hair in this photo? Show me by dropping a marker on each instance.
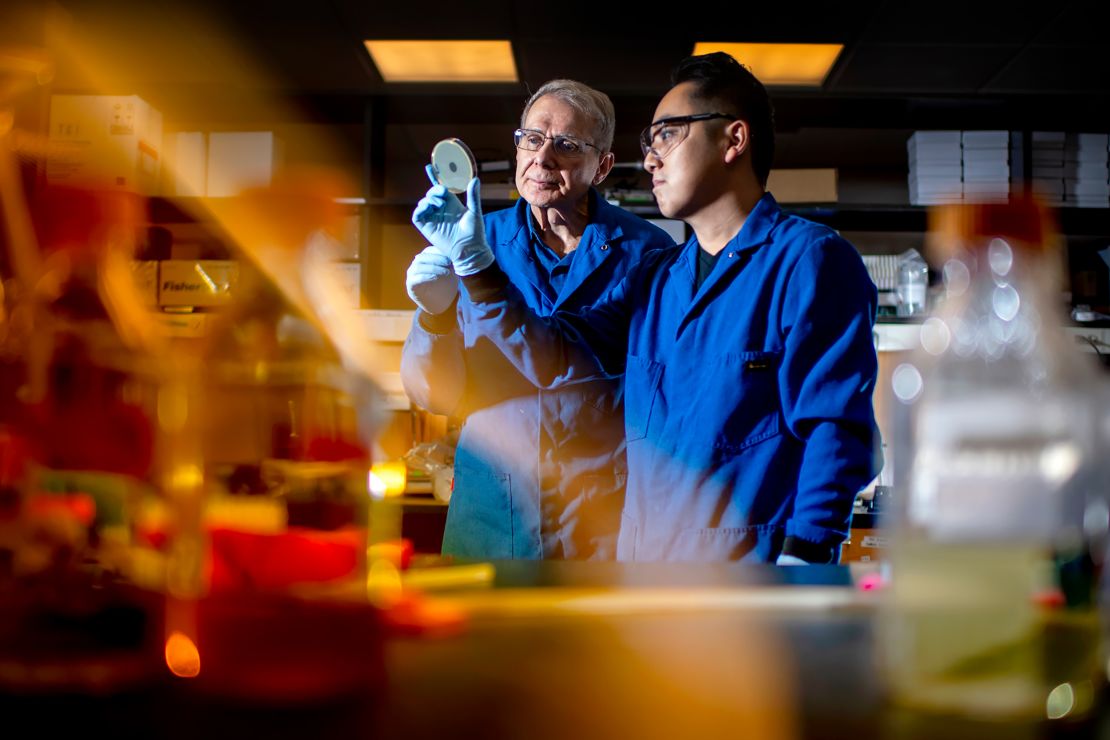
(593, 104)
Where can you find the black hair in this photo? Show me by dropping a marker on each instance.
(720, 79)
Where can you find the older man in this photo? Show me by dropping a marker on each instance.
(538, 473)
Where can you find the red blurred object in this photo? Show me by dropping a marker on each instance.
(1050, 598)
(329, 449)
(271, 562)
(83, 425)
(78, 506)
(274, 649)
(81, 219)
(252, 561)
(13, 462)
(871, 582)
(81, 421)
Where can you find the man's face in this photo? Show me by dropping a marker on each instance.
(547, 179)
(688, 175)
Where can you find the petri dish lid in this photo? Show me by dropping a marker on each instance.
(453, 164)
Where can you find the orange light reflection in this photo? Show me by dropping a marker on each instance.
(182, 656)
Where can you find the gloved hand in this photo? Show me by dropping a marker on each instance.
(430, 281)
(456, 230)
(790, 560)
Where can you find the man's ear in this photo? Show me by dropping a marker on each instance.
(604, 165)
(739, 140)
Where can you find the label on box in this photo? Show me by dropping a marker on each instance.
(105, 141)
(347, 278)
(184, 325)
(196, 282)
(874, 542)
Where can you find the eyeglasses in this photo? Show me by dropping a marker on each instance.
(665, 134)
(532, 140)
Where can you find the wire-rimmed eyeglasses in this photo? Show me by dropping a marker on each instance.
(532, 140)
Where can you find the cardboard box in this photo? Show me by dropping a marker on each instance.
(110, 141)
(803, 185)
(196, 282)
(864, 546)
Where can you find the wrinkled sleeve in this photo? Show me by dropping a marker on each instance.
(558, 350)
(433, 364)
(827, 377)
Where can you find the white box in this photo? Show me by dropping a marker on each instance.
(186, 164)
(387, 326)
(238, 160)
(986, 139)
(935, 138)
(112, 141)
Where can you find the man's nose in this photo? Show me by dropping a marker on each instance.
(546, 153)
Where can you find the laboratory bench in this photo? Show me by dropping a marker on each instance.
(576, 650)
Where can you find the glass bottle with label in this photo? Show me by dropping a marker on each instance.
(1001, 484)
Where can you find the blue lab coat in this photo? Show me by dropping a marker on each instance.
(539, 473)
(748, 411)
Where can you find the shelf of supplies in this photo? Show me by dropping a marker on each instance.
(1089, 222)
(1073, 221)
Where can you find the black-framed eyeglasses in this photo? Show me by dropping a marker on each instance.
(665, 134)
(532, 140)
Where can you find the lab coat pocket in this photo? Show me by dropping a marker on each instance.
(480, 517)
(721, 544)
(641, 389)
(753, 410)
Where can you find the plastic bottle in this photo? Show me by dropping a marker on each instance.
(1001, 484)
(913, 283)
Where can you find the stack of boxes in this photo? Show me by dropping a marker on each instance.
(1048, 166)
(979, 166)
(117, 142)
(936, 167)
(986, 166)
(1086, 176)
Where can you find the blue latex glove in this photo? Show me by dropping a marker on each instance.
(456, 230)
(790, 560)
(431, 282)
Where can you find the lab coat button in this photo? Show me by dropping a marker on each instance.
(731, 255)
(604, 247)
